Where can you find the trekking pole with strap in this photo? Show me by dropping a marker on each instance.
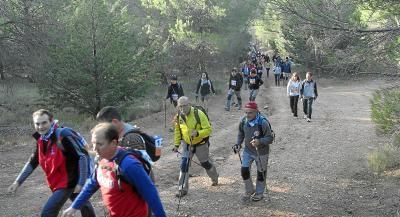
(186, 173)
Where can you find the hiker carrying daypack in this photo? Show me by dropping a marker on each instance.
(192, 130)
(255, 133)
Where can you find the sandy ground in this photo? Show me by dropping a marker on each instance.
(315, 169)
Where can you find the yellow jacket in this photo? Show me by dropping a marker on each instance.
(184, 126)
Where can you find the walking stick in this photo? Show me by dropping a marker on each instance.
(165, 114)
(184, 175)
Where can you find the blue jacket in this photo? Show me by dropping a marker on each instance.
(286, 67)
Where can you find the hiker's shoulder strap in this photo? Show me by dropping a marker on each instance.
(242, 123)
(196, 115)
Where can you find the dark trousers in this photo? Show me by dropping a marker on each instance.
(57, 200)
(293, 104)
(277, 78)
(267, 69)
(307, 106)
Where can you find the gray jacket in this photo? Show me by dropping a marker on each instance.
(246, 134)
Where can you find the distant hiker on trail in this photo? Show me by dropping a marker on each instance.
(308, 94)
(193, 129)
(259, 70)
(254, 84)
(293, 91)
(126, 188)
(205, 87)
(175, 90)
(256, 133)
(286, 69)
(246, 73)
(64, 160)
(235, 84)
(268, 65)
(277, 74)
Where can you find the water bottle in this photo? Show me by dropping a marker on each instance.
(158, 142)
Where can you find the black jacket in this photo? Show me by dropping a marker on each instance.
(237, 80)
(174, 89)
(205, 89)
(255, 83)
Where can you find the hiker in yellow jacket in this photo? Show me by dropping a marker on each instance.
(192, 129)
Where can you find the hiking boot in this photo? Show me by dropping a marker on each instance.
(257, 197)
(308, 120)
(181, 193)
(245, 198)
(214, 183)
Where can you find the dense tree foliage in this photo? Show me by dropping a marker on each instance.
(91, 53)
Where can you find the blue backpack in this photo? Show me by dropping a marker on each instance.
(62, 132)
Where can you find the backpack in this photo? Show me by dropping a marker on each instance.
(62, 132)
(151, 143)
(120, 157)
(262, 117)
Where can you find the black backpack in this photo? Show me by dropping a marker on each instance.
(120, 157)
(149, 142)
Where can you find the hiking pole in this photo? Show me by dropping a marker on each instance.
(195, 162)
(165, 114)
(184, 174)
(238, 152)
(262, 169)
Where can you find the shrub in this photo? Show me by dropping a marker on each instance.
(384, 158)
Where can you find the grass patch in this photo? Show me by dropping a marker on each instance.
(384, 158)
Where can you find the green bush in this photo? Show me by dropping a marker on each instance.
(385, 106)
(386, 110)
(384, 158)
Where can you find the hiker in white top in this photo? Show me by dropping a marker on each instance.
(293, 91)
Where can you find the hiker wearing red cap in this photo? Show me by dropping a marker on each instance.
(254, 84)
(256, 133)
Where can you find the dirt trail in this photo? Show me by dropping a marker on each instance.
(315, 169)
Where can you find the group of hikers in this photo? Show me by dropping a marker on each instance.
(119, 163)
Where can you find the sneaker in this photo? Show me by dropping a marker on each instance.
(181, 193)
(305, 116)
(308, 120)
(257, 197)
(295, 115)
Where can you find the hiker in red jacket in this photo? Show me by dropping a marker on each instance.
(64, 162)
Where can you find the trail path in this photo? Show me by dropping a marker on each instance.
(315, 169)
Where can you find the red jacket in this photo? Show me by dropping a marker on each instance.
(121, 203)
(61, 167)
